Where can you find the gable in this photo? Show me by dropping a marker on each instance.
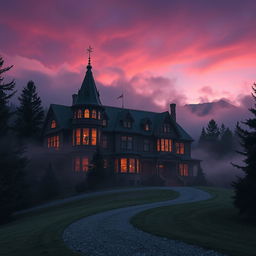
(61, 114)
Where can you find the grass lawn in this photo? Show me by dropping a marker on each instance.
(211, 224)
(40, 233)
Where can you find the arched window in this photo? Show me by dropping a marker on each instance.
(87, 113)
(94, 114)
(79, 113)
(53, 124)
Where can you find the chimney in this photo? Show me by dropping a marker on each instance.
(74, 98)
(173, 111)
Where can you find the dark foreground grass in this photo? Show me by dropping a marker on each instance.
(40, 233)
(212, 224)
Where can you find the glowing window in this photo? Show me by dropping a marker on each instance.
(85, 163)
(180, 148)
(132, 165)
(147, 127)
(158, 145)
(86, 136)
(123, 165)
(166, 145)
(78, 136)
(94, 114)
(79, 113)
(53, 142)
(94, 136)
(183, 169)
(87, 113)
(170, 145)
(162, 145)
(53, 124)
(138, 166)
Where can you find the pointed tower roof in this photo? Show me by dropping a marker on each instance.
(88, 93)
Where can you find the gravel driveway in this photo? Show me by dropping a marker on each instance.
(110, 233)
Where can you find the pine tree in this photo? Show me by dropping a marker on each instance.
(30, 113)
(222, 130)
(12, 185)
(202, 138)
(12, 163)
(226, 142)
(212, 131)
(245, 188)
(6, 92)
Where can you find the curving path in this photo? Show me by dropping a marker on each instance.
(110, 233)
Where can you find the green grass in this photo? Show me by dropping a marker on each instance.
(40, 233)
(212, 224)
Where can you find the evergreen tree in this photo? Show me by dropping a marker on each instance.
(202, 138)
(12, 183)
(222, 130)
(30, 113)
(6, 92)
(245, 188)
(226, 142)
(49, 187)
(212, 131)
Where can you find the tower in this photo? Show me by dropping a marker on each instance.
(87, 120)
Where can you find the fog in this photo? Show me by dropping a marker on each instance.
(219, 171)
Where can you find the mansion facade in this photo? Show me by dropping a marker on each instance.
(134, 144)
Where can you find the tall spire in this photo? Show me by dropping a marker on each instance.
(89, 50)
(88, 93)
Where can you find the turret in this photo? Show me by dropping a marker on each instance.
(87, 112)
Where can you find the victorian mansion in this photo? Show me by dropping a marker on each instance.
(134, 144)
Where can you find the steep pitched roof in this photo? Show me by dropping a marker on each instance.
(88, 93)
(63, 115)
(138, 116)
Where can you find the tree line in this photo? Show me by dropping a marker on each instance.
(219, 141)
(18, 127)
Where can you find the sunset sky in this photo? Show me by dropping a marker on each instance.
(159, 51)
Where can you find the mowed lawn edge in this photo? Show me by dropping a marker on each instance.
(212, 224)
(40, 232)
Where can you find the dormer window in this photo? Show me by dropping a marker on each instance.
(94, 114)
(53, 124)
(127, 123)
(166, 128)
(79, 113)
(87, 113)
(104, 122)
(146, 127)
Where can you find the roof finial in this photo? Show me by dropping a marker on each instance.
(89, 50)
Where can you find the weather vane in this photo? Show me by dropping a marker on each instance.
(89, 50)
